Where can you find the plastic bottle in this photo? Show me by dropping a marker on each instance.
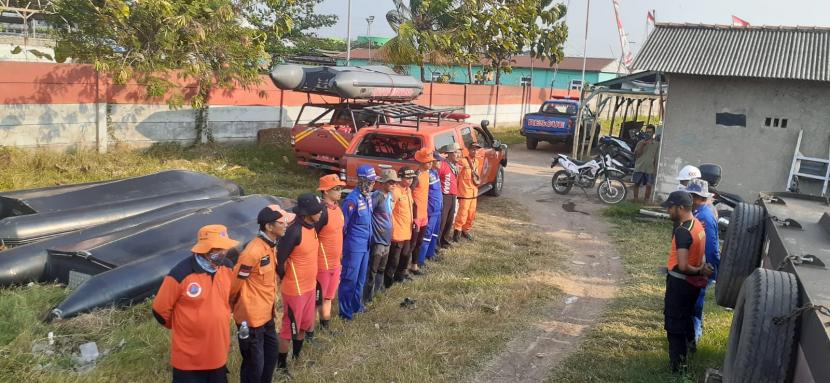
(244, 331)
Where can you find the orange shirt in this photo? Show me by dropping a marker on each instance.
(696, 250)
(254, 289)
(401, 214)
(331, 238)
(420, 194)
(466, 187)
(194, 305)
(297, 255)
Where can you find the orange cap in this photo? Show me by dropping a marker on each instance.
(287, 216)
(424, 155)
(329, 181)
(213, 237)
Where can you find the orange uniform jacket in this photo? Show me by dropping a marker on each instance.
(401, 214)
(698, 248)
(254, 289)
(466, 187)
(331, 237)
(420, 196)
(297, 259)
(194, 304)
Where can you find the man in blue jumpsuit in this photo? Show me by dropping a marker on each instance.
(704, 212)
(430, 245)
(357, 232)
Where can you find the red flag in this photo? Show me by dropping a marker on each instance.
(739, 22)
(650, 17)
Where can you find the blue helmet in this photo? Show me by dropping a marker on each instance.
(367, 172)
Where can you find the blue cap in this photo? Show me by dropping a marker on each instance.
(368, 172)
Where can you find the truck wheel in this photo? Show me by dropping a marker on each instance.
(498, 185)
(741, 252)
(531, 143)
(760, 350)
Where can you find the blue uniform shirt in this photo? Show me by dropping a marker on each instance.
(435, 197)
(706, 216)
(357, 228)
(381, 218)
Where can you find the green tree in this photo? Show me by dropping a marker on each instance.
(501, 29)
(155, 42)
(417, 27)
(300, 39)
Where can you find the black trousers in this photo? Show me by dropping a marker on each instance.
(219, 375)
(377, 268)
(397, 253)
(447, 217)
(417, 241)
(678, 311)
(259, 354)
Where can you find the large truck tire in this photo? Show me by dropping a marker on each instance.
(741, 252)
(531, 143)
(759, 349)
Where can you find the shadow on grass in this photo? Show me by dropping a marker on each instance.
(628, 345)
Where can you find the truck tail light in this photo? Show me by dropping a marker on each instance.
(292, 141)
(343, 174)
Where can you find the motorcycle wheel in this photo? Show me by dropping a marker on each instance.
(562, 182)
(611, 191)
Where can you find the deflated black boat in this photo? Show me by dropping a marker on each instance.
(31, 215)
(28, 263)
(128, 266)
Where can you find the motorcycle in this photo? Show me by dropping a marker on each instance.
(585, 174)
(619, 151)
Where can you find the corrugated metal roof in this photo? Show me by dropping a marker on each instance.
(797, 53)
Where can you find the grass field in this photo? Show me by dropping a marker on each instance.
(629, 343)
(468, 306)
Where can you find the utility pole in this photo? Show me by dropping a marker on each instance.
(369, 21)
(578, 127)
(349, 34)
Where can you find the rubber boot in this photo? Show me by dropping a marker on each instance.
(456, 234)
(466, 235)
(368, 293)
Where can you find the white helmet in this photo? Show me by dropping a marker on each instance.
(688, 173)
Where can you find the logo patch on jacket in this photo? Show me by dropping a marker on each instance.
(244, 271)
(264, 261)
(194, 290)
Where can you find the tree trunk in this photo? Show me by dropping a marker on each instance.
(423, 77)
(469, 73)
(498, 76)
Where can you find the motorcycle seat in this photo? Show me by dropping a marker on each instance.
(578, 162)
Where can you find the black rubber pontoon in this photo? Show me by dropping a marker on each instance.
(128, 266)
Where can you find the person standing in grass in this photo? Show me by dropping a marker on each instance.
(420, 196)
(381, 233)
(330, 232)
(297, 254)
(430, 246)
(194, 303)
(253, 295)
(397, 266)
(468, 182)
(357, 233)
(645, 164)
(448, 174)
(703, 211)
(686, 271)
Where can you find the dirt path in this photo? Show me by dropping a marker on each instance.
(589, 279)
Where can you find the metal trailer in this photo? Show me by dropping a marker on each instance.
(773, 272)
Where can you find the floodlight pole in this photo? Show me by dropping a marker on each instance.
(349, 34)
(369, 21)
(578, 125)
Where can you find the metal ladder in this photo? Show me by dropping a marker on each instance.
(808, 167)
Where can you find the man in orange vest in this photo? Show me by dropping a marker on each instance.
(297, 255)
(253, 295)
(687, 273)
(193, 301)
(420, 196)
(330, 232)
(468, 181)
(398, 262)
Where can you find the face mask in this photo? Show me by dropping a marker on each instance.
(364, 185)
(205, 264)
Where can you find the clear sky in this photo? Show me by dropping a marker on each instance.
(603, 40)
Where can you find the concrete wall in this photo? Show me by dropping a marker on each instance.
(754, 158)
(67, 105)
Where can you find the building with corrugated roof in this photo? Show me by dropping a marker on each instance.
(562, 75)
(746, 98)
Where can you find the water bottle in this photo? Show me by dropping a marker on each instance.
(244, 331)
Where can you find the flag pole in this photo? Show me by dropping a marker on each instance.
(577, 127)
(349, 34)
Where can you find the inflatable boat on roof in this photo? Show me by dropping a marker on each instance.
(378, 83)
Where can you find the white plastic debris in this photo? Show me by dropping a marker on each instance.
(580, 263)
(89, 352)
(571, 300)
(51, 338)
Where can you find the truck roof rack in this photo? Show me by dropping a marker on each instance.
(406, 111)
